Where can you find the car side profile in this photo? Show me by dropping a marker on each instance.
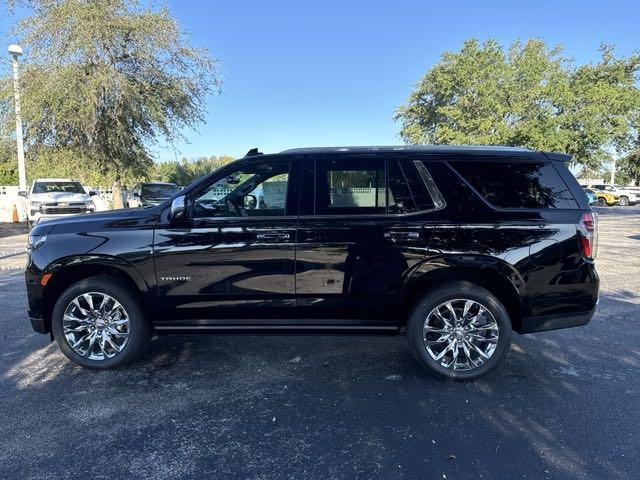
(151, 193)
(454, 247)
(625, 196)
(605, 198)
(591, 196)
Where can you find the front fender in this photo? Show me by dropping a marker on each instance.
(96, 261)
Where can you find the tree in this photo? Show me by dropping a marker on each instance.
(629, 166)
(186, 171)
(8, 164)
(529, 95)
(105, 81)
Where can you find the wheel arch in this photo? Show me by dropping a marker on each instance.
(498, 278)
(69, 270)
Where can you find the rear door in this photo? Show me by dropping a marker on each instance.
(359, 232)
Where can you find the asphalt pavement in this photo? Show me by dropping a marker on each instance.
(563, 405)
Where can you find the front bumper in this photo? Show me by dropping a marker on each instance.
(555, 322)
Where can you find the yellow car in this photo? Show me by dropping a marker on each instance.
(605, 198)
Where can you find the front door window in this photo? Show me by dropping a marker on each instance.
(257, 189)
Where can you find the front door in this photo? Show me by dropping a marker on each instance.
(233, 260)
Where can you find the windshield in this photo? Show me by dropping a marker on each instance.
(51, 187)
(159, 190)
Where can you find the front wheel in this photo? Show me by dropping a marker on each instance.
(602, 202)
(461, 331)
(624, 201)
(97, 323)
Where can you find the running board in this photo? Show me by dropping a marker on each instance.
(289, 329)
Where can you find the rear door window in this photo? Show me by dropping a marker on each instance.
(350, 186)
(410, 189)
(532, 185)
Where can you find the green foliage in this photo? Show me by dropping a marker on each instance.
(8, 164)
(528, 95)
(629, 167)
(186, 171)
(102, 83)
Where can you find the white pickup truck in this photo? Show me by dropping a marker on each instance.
(55, 197)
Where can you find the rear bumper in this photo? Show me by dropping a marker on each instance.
(555, 322)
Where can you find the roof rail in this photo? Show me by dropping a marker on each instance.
(252, 152)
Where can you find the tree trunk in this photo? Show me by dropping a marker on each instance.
(117, 201)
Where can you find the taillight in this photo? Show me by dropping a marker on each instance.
(588, 234)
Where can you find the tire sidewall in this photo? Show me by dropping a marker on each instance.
(458, 290)
(624, 201)
(138, 327)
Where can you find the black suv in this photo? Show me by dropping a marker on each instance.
(453, 246)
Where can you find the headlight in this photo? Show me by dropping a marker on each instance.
(35, 205)
(34, 242)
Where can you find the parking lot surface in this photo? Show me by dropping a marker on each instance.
(563, 405)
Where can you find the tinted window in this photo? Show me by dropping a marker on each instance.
(517, 185)
(159, 190)
(461, 202)
(345, 186)
(255, 189)
(399, 195)
(408, 190)
(51, 187)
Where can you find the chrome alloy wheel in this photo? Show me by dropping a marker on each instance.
(96, 326)
(460, 334)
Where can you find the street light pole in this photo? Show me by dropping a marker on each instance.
(16, 51)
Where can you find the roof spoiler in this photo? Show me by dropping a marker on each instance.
(560, 157)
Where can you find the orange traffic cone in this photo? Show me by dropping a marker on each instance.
(15, 214)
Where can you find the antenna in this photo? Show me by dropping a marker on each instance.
(253, 151)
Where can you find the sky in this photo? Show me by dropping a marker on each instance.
(303, 73)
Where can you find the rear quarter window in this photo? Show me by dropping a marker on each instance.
(534, 185)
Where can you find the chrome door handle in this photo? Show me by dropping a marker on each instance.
(394, 235)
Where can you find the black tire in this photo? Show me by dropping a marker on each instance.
(602, 202)
(458, 290)
(139, 328)
(624, 201)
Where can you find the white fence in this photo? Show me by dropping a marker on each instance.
(9, 200)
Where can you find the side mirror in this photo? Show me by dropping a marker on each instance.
(178, 209)
(250, 202)
(22, 193)
(92, 193)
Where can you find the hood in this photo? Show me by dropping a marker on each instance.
(106, 216)
(56, 197)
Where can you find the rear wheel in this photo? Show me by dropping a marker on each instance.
(461, 331)
(98, 324)
(602, 202)
(624, 201)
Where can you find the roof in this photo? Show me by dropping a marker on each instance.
(470, 149)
